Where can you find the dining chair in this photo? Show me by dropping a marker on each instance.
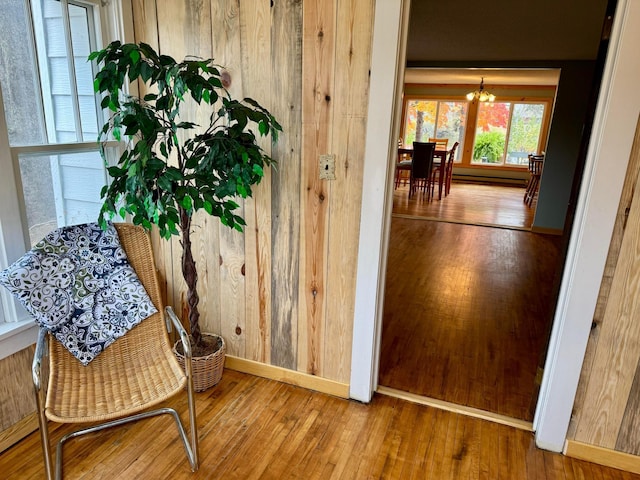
(441, 143)
(137, 371)
(448, 171)
(536, 163)
(421, 167)
(403, 166)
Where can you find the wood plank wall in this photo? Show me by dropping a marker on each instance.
(283, 292)
(17, 401)
(607, 407)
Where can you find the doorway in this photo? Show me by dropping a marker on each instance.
(467, 307)
(586, 254)
(443, 315)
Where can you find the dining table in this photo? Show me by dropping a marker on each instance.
(440, 154)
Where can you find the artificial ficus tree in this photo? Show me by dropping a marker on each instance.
(172, 168)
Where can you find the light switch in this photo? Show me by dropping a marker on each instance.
(327, 167)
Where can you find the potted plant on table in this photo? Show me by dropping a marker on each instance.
(171, 167)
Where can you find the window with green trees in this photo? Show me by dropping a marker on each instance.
(507, 132)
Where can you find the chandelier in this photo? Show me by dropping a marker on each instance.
(481, 94)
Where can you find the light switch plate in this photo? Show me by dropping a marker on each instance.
(327, 167)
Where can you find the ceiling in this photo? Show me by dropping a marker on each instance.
(492, 76)
(471, 31)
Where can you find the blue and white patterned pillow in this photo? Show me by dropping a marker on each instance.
(79, 285)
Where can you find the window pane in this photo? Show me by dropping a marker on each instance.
(18, 76)
(420, 120)
(57, 88)
(491, 132)
(451, 124)
(524, 132)
(83, 45)
(61, 190)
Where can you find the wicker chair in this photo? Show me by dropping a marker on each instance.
(138, 371)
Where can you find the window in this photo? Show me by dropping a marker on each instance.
(507, 132)
(426, 119)
(497, 135)
(50, 119)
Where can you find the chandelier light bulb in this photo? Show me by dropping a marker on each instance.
(481, 94)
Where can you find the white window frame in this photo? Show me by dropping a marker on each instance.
(17, 328)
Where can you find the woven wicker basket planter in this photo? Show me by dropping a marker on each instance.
(207, 370)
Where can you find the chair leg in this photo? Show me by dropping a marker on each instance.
(40, 358)
(190, 448)
(532, 188)
(44, 436)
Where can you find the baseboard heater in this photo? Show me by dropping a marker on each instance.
(518, 182)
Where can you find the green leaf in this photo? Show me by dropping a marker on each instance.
(263, 127)
(258, 170)
(134, 55)
(146, 71)
(186, 202)
(173, 173)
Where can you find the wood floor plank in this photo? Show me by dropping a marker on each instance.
(253, 428)
(473, 203)
(467, 313)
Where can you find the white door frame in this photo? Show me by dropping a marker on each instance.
(607, 158)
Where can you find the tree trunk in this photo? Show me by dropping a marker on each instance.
(190, 277)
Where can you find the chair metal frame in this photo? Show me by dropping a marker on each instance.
(42, 360)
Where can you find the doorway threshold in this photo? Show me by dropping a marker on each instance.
(460, 409)
(461, 222)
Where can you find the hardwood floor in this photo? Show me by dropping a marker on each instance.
(253, 428)
(469, 203)
(467, 312)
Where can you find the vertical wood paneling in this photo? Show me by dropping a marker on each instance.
(350, 99)
(171, 41)
(145, 22)
(618, 350)
(16, 389)
(286, 69)
(318, 57)
(227, 51)
(146, 30)
(628, 439)
(187, 31)
(266, 291)
(255, 28)
(633, 170)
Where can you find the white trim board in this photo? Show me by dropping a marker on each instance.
(607, 158)
(390, 25)
(614, 128)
